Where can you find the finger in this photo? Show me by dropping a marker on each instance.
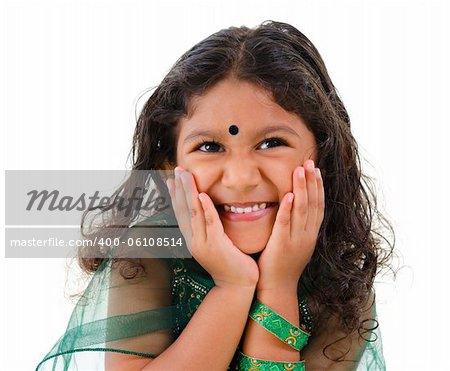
(171, 186)
(214, 227)
(311, 185)
(186, 234)
(195, 207)
(186, 181)
(170, 182)
(321, 199)
(282, 224)
(181, 210)
(300, 206)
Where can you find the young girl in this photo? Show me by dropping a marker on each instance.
(268, 194)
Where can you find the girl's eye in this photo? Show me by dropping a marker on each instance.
(208, 144)
(277, 141)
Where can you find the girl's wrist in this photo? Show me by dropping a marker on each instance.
(249, 287)
(289, 285)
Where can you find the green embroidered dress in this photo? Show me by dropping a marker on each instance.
(142, 317)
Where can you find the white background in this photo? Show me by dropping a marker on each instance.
(72, 72)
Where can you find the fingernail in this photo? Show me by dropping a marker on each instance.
(318, 173)
(290, 197)
(301, 173)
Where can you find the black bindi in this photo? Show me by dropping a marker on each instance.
(233, 129)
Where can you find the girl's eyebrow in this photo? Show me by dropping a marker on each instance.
(264, 131)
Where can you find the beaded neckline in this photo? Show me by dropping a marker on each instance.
(190, 284)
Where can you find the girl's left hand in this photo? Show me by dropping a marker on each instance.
(295, 231)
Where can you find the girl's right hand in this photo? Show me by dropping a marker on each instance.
(206, 239)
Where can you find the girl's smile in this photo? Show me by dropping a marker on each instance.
(246, 213)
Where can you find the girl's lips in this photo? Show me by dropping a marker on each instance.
(245, 217)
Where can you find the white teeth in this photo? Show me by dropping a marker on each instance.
(249, 209)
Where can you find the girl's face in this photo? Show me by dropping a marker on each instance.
(249, 167)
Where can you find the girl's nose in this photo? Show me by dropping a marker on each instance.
(241, 174)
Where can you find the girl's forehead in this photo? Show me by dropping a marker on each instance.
(230, 92)
(234, 108)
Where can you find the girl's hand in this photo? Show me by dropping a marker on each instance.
(294, 235)
(203, 231)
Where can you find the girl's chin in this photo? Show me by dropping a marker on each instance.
(249, 245)
(250, 250)
(250, 238)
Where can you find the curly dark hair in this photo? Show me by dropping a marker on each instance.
(350, 249)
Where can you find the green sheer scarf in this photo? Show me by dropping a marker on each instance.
(144, 315)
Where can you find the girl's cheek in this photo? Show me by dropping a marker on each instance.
(202, 176)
